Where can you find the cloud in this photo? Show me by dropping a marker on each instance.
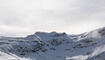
(14, 31)
(48, 15)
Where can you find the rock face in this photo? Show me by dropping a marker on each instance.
(102, 31)
(56, 46)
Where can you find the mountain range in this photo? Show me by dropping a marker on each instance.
(54, 46)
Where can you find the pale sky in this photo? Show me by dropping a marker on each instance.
(23, 17)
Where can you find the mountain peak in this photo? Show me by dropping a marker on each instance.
(50, 33)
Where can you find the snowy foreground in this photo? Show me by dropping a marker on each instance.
(54, 46)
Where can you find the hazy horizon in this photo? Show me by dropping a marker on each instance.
(23, 17)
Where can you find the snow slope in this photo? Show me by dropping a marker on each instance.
(54, 46)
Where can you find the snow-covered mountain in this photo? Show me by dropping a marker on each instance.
(54, 46)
